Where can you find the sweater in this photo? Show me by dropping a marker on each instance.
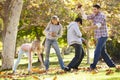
(73, 34)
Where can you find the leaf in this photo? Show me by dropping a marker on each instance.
(55, 78)
(36, 77)
(117, 69)
(109, 71)
(99, 67)
(1, 73)
(60, 72)
(37, 70)
(94, 71)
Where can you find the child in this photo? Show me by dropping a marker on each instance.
(28, 49)
(74, 38)
(52, 33)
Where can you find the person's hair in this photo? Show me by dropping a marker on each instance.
(36, 44)
(97, 6)
(55, 18)
(78, 20)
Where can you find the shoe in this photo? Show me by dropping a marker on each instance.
(67, 69)
(13, 72)
(30, 72)
(76, 68)
(46, 72)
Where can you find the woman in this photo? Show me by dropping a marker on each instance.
(53, 32)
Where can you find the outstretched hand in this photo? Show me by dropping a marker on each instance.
(89, 28)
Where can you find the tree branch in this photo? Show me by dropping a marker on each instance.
(21, 28)
(1, 9)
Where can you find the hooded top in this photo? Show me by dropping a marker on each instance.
(73, 34)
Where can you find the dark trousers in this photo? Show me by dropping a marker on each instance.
(79, 55)
(101, 51)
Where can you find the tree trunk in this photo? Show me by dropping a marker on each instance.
(88, 53)
(9, 41)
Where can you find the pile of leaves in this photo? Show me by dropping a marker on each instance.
(37, 73)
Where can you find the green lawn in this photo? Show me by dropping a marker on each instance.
(56, 74)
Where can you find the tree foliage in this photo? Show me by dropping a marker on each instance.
(37, 13)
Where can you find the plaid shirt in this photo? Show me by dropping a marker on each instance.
(99, 18)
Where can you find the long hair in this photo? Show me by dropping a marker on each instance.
(36, 45)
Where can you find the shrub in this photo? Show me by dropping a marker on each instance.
(113, 48)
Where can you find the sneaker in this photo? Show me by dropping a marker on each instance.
(67, 69)
(76, 68)
(30, 72)
(13, 72)
(46, 72)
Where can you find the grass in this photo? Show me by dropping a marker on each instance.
(56, 74)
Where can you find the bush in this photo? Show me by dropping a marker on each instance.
(113, 48)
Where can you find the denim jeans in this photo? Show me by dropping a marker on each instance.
(54, 44)
(21, 52)
(101, 51)
(79, 55)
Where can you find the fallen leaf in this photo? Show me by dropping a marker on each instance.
(79, 68)
(117, 70)
(94, 71)
(37, 70)
(1, 73)
(55, 78)
(98, 67)
(60, 72)
(36, 77)
(76, 73)
(109, 71)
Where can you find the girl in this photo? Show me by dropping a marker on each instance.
(53, 32)
(28, 49)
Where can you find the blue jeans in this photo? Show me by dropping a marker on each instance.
(54, 44)
(21, 52)
(101, 51)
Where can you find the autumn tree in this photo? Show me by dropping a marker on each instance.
(10, 11)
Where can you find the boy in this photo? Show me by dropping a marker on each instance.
(74, 38)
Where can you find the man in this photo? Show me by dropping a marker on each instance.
(74, 38)
(101, 34)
